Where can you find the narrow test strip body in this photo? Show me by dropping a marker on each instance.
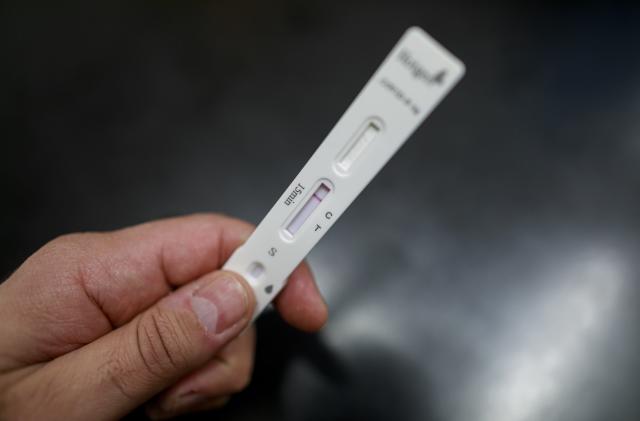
(411, 81)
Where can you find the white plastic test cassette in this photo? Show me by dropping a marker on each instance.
(410, 82)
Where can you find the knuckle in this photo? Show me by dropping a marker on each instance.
(240, 382)
(69, 241)
(69, 247)
(229, 375)
(239, 377)
(161, 343)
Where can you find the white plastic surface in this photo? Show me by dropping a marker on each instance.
(410, 82)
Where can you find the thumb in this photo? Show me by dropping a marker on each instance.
(121, 370)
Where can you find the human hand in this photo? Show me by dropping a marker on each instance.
(93, 325)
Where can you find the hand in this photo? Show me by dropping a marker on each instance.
(93, 325)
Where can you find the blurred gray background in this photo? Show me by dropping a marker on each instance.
(489, 273)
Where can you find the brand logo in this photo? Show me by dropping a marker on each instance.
(420, 72)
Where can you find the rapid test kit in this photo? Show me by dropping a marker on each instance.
(411, 81)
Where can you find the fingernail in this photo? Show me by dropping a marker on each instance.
(221, 304)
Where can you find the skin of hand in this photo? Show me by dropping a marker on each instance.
(94, 325)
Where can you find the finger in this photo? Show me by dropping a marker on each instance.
(214, 403)
(300, 303)
(126, 367)
(229, 372)
(81, 286)
(159, 256)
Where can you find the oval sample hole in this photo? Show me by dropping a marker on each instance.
(357, 145)
(255, 270)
